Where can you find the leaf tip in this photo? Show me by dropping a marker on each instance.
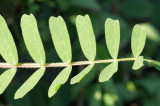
(73, 81)
(31, 14)
(17, 96)
(24, 15)
(156, 64)
(101, 80)
(59, 17)
(1, 16)
(78, 17)
(1, 92)
(86, 16)
(50, 93)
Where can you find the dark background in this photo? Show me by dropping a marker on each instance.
(126, 88)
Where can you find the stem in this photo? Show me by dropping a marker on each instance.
(34, 65)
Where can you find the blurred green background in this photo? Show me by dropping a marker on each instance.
(125, 88)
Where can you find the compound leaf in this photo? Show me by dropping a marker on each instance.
(29, 83)
(59, 80)
(138, 63)
(86, 36)
(156, 64)
(6, 78)
(81, 75)
(112, 35)
(32, 38)
(60, 38)
(138, 40)
(108, 72)
(7, 45)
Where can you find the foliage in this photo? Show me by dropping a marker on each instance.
(126, 87)
(62, 45)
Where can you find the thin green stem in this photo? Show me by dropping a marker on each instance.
(34, 65)
(147, 60)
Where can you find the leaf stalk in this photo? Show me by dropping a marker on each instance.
(78, 63)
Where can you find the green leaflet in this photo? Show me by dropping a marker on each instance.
(7, 45)
(29, 83)
(60, 38)
(6, 78)
(138, 40)
(59, 80)
(156, 64)
(112, 35)
(82, 74)
(108, 72)
(32, 38)
(138, 63)
(86, 36)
